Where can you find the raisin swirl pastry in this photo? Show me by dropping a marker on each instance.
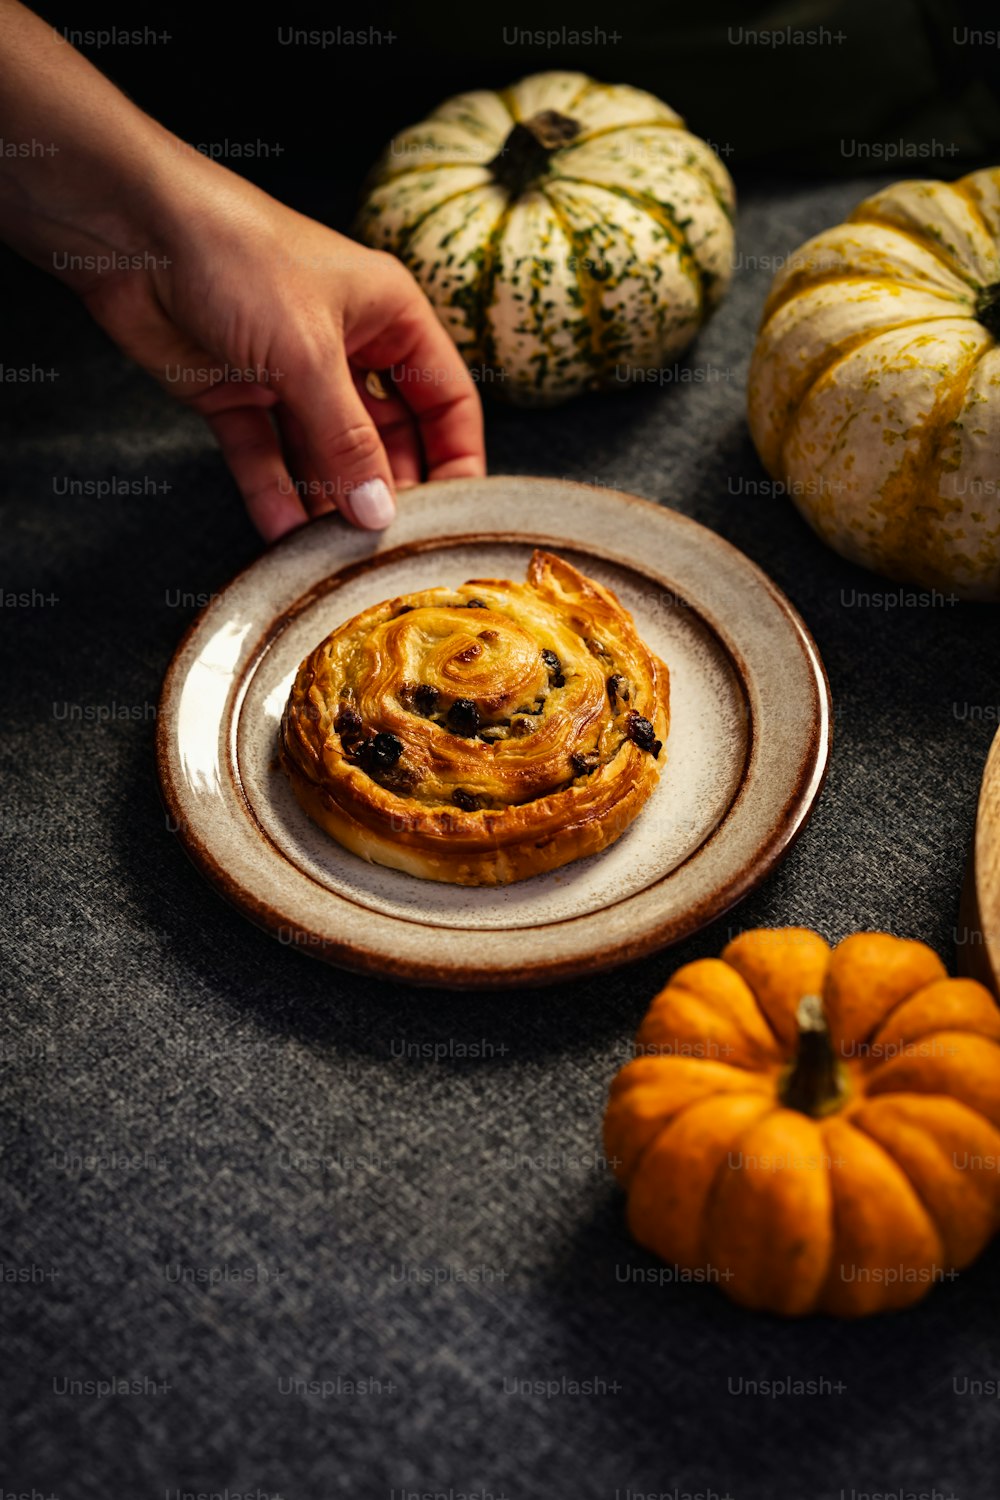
(482, 734)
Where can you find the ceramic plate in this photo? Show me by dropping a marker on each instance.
(747, 751)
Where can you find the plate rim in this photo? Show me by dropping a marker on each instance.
(450, 973)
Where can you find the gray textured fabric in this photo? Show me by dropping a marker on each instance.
(306, 1176)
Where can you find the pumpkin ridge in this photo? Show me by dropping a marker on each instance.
(421, 219)
(663, 215)
(471, 298)
(947, 1031)
(711, 1256)
(587, 286)
(623, 1086)
(759, 1069)
(467, 120)
(585, 137)
(588, 85)
(917, 1101)
(658, 309)
(831, 1236)
(763, 1069)
(961, 188)
(690, 168)
(908, 1185)
(784, 1055)
(926, 242)
(661, 1179)
(695, 169)
(796, 410)
(875, 1087)
(382, 177)
(859, 1126)
(838, 355)
(819, 1304)
(925, 1039)
(693, 1104)
(478, 297)
(796, 288)
(918, 1098)
(932, 436)
(921, 992)
(707, 1257)
(928, 1129)
(506, 97)
(479, 130)
(782, 1046)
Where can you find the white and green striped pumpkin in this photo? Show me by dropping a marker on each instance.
(570, 234)
(874, 391)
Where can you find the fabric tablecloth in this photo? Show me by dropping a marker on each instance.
(275, 1229)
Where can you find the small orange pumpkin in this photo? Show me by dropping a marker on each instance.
(817, 1129)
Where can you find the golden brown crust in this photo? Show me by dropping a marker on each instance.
(482, 734)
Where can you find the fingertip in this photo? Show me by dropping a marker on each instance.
(372, 505)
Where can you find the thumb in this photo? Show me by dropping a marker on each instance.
(345, 449)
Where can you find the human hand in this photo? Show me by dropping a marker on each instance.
(264, 321)
(267, 324)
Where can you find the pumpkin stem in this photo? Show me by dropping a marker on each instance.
(815, 1083)
(525, 153)
(988, 309)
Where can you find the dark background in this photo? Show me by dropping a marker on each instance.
(903, 72)
(184, 1099)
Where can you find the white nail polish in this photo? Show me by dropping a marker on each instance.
(372, 504)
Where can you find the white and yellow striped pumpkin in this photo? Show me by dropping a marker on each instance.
(874, 391)
(570, 234)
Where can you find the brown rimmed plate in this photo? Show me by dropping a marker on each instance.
(747, 752)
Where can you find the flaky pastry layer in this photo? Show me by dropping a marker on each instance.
(483, 734)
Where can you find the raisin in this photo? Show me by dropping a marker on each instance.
(521, 727)
(554, 666)
(476, 604)
(358, 751)
(489, 635)
(426, 698)
(348, 724)
(384, 751)
(641, 732)
(463, 717)
(584, 761)
(595, 648)
(399, 779)
(465, 800)
(617, 688)
(470, 653)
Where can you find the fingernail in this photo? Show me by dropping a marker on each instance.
(372, 504)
